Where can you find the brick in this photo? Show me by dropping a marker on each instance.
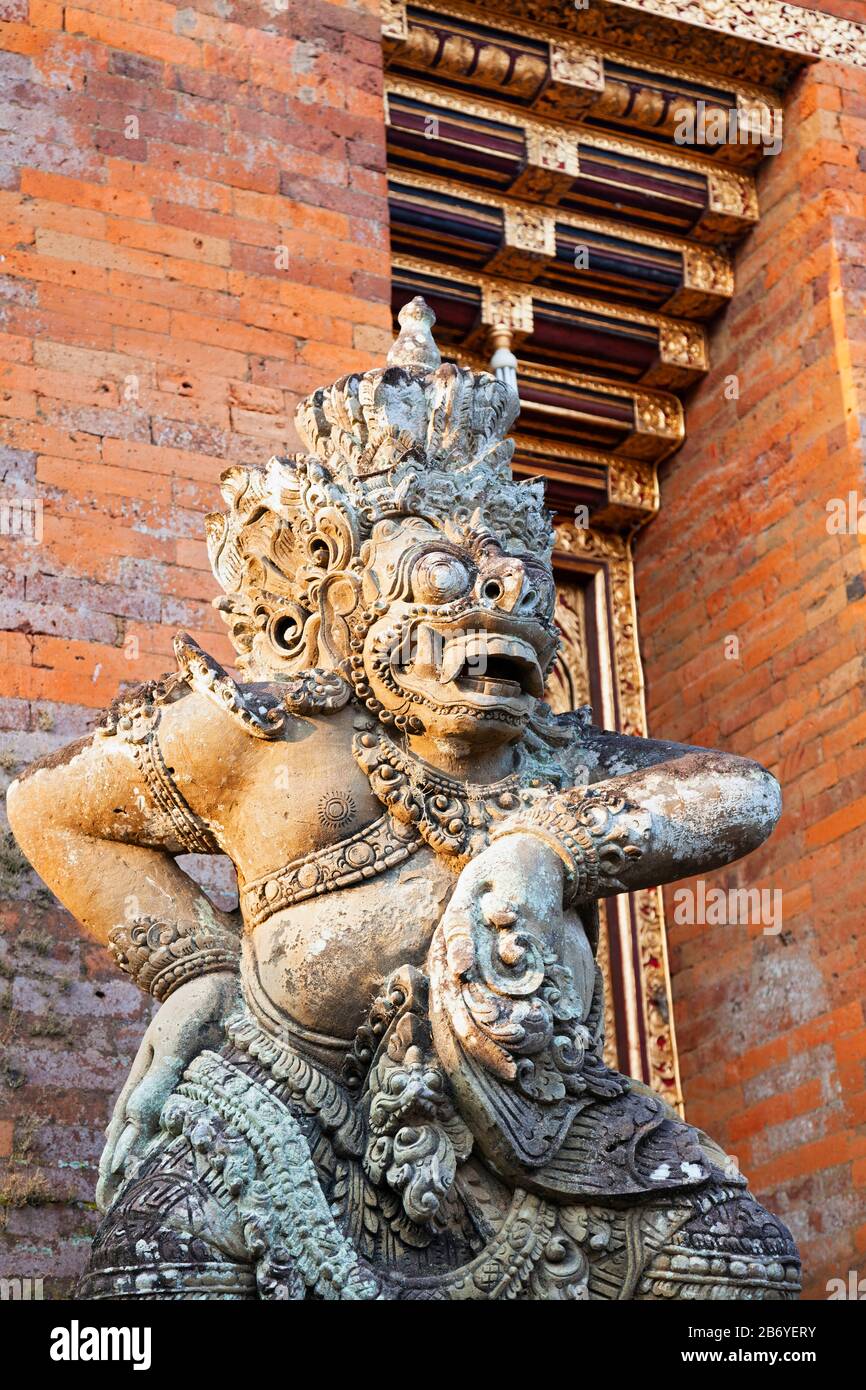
(80, 194)
(117, 33)
(840, 823)
(170, 241)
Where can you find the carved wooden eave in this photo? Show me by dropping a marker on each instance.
(564, 416)
(539, 197)
(565, 77)
(765, 42)
(539, 146)
(486, 143)
(628, 344)
(450, 222)
(766, 36)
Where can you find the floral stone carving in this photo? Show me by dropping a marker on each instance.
(383, 1077)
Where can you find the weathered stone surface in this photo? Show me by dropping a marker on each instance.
(382, 1077)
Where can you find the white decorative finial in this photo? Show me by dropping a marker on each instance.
(503, 363)
(415, 347)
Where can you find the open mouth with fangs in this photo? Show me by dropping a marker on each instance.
(476, 665)
(487, 663)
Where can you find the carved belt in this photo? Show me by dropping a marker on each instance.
(363, 855)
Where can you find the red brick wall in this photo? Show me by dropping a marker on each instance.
(160, 156)
(771, 1027)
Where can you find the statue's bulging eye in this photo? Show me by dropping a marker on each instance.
(440, 577)
(539, 583)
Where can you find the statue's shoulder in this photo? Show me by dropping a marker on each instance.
(260, 710)
(591, 753)
(585, 752)
(574, 723)
(564, 739)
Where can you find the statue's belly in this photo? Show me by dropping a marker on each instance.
(321, 963)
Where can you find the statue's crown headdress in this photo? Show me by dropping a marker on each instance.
(413, 411)
(417, 437)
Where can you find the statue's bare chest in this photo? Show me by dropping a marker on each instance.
(300, 798)
(322, 960)
(347, 852)
(335, 894)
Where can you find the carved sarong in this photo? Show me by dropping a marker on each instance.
(273, 1179)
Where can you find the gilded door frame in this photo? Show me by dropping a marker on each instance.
(640, 1033)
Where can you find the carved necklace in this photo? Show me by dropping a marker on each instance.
(454, 817)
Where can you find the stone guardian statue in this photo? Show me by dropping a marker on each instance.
(383, 1077)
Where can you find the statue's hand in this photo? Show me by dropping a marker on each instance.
(495, 945)
(518, 881)
(188, 1022)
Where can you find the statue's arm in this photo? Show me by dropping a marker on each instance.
(102, 823)
(654, 812)
(514, 1018)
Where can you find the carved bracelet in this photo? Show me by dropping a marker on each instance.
(595, 833)
(160, 956)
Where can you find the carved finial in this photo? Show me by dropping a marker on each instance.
(503, 363)
(415, 346)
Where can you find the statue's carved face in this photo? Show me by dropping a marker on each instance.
(463, 633)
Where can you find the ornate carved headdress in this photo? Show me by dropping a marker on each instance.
(415, 438)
